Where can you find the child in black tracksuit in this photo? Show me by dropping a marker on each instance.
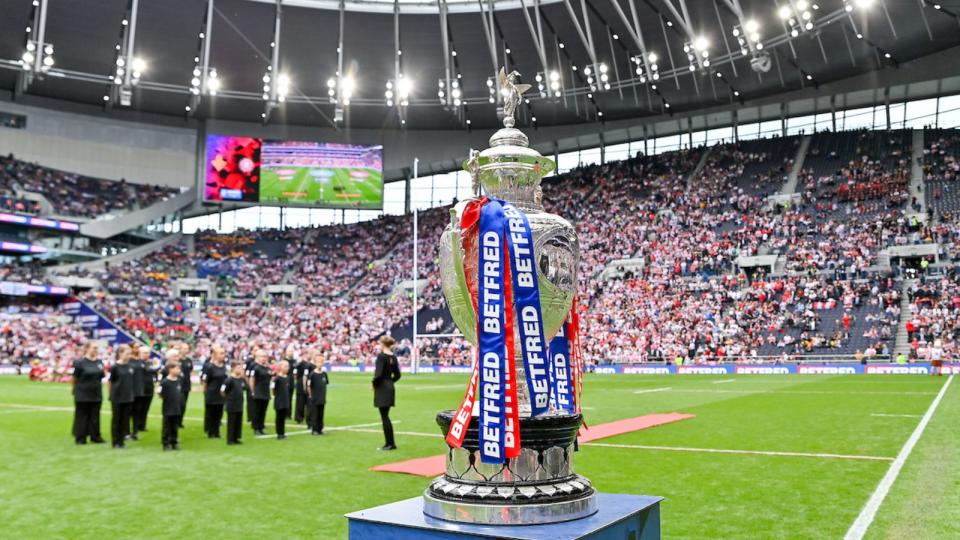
(233, 391)
(171, 392)
(317, 393)
(281, 397)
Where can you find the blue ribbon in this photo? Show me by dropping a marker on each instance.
(526, 298)
(491, 333)
(561, 387)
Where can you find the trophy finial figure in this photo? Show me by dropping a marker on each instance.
(473, 167)
(512, 95)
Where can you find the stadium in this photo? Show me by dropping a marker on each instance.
(707, 249)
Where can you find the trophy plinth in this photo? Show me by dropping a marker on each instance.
(538, 486)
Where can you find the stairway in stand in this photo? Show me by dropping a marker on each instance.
(903, 342)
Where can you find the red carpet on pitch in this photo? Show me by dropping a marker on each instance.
(435, 465)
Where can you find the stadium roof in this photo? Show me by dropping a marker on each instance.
(809, 43)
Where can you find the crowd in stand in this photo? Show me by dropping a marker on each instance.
(42, 335)
(338, 257)
(731, 318)
(934, 320)
(73, 194)
(31, 273)
(941, 169)
(10, 202)
(685, 219)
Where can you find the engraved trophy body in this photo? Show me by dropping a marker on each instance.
(540, 485)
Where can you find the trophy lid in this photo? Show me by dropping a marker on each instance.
(510, 169)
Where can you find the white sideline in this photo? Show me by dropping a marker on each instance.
(805, 392)
(747, 452)
(651, 390)
(869, 512)
(665, 448)
(897, 415)
(724, 381)
(35, 407)
(331, 428)
(410, 433)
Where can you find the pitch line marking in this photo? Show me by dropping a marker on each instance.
(436, 387)
(35, 407)
(897, 415)
(869, 512)
(674, 448)
(724, 381)
(651, 390)
(809, 392)
(17, 411)
(745, 452)
(410, 433)
(331, 428)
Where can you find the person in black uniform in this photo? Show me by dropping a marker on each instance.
(87, 395)
(301, 374)
(172, 356)
(171, 392)
(186, 370)
(290, 355)
(121, 395)
(248, 370)
(148, 388)
(213, 375)
(151, 373)
(260, 384)
(233, 390)
(317, 381)
(281, 398)
(140, 390)
(386, 373)
(312, 356)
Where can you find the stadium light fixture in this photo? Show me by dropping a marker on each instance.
(646, 65)
(850, 5)
(598, 77)
(36, 58)
(797, 16)
(698, 52)
(491, 90)
(748, 36)
(398, 92)
(283, 87)
(346, 88)
(404, 88)
(442, 91)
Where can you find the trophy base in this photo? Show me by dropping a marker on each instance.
(507, 513)
(537, 487)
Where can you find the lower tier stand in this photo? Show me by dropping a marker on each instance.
(634, 517)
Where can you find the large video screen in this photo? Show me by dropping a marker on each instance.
(294, 173)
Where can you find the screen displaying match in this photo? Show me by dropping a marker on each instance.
(293, 173)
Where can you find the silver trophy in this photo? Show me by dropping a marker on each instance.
(540, 485)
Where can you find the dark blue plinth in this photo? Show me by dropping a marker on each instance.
(620, 517)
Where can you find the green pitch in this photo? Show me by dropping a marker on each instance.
(322, 187)
(798, 461)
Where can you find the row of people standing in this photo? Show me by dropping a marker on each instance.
(130, 389)
(296, 388)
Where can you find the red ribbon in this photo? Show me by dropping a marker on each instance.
(512, 446)
(576, 357)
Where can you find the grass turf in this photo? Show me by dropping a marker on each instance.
(301, 487)
(338, 191)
